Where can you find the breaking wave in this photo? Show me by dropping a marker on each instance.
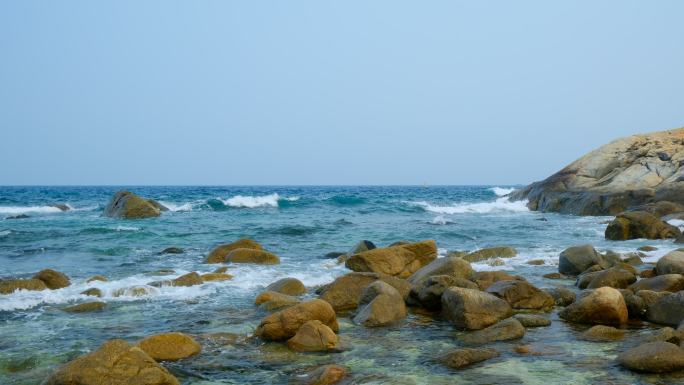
(501, 191)
(500, 205)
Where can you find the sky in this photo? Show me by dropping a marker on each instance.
(328, 93)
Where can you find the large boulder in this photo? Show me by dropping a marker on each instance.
(53, 279)
(380, 305)
(490, 252)
(604, 306)
(653, 357)
(220, 252)
(577, 259)
(508, 329)
(428, 292)
(623, 174)
(485, 279)
(170, 346)
(272, 300)
(313, 336)
(261, 257)
(460, 358)
(400, 261)
(666, 282)
(668, 310)
(452, 266)
(521, 295)
(126, 205)
(615, 277)
(11, 285)
(189, 279)
(289, 286)
(284, 324)
(472, 309)
(532, 320)
(115, 362)
(639, 224)
(344, 293)
(671, 263)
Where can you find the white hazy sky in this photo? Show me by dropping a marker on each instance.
(322, 92)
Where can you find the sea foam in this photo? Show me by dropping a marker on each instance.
(247, 201)
(501, 191)
(18, 210)
(502, 204)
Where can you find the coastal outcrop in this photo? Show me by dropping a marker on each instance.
(640, 224)
(126, 205)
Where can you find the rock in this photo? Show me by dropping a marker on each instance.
(604, 306)
(650, 297)
(508, 329)
(623, 174)
(172, 250)
(85, 307)
(562, 296)
(53, 279)
(666, 334)
(669, 310)
(640, 224)
(93, 292)
(428, 292)
(532, 320)
(361, 247)
(633, 259)
(220, 253)
(221, 270)
(161, 272)
(636, 307)
(272, 300)
(170, 346)
(333, 255)
(653, 357)
(615, 277)
(284, 324)
(400, 261)
(344, 293)
(11, 285)
(484, 279)
(536, 262)
(521, 295)
(584, 279)
(313, 336)
(491, 252)
(96, 278)
(324, 375)
(61, 206)
(602, 333)
(215, 277)
(556, 276)
(576, 259)
(189, 279)
(380, 305)
(660, 209)
(20, 216)
(649, 273)
(115, 362)
(666, 282)
(647, 248)
(260, 257)
(126, 205)
(452, 266)
(472, 309)
(671, 263)
(460, 358)
(289, 286)
(135, 291)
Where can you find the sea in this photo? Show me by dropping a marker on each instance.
(301, 224)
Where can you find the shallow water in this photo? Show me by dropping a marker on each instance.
(300, 224)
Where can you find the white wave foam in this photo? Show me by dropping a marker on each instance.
(501, 191)
(676, 222)
(440, 220)
(127, 228)
(499, 205)
(17, 210)
(252, 201)
(178, 207)
(5, 232)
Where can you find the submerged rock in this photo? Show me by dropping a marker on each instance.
(284, 324)
(472, 309)
(639, 224)
(86, 307)
(170, 346)
(604, 306)
(460, 358)
(289, 286)
(602, 333)
(491, 252)
(508, 329)
(126, 205)
(380, 305)
(11, 285)
(53, 279)
(220, 253)
(313, 336)
(400, 261)
(653, 357)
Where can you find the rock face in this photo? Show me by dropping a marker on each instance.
(623, 174)
(126, 205)
(668, 310)
(472, 309)
(460, 358)
(508, 329)
(313, 336)
(380, 305)
(400, 261)
(521, 295)
(289, 286)
(639, 224)
(11, 285)
(604, 306)
(284, 324)
(653, 357)
(219, 254)
(452, 266)
(671, 263)
(170, 346)
(53, 279)
(344, 293)
(115, 362)
(491, 252)
(576, 259)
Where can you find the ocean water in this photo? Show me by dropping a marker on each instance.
(301, 225)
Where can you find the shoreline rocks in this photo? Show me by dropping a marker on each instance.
(605, 306)
(284, 324)
(472, 309)
(401, 261)
(170, 346)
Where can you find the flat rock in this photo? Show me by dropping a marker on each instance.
(401, 261)
(508, 329)
(460, 358)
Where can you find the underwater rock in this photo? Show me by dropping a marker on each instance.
(604, 306)
(460, 358)
(380, 305)
(53, 279)
(126, 205)
(602, 333)
(508, 329)
(472, 309)
(86, 307)
(521, 295)
(289, 286)
(400, 261)
(313, 336)
(220, 253)
(284, 324)
(170, 346)
(640, 224)
(653, 357)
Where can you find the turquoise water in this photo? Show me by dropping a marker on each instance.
(301, 225)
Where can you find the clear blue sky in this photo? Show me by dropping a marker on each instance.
(322, 92)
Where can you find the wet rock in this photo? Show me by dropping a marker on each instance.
(161, 272)
(324, 375)
(260, 257)
(189, 279)
(99, 278)
(472, 309)
(172, 250)
(115, 362)
(85, 307)
(602, 333)
(221, 270)
(648, 273)
(640, 224)
(289, 286)
(647, 248)
(576, 259)
(313, 336)
(333, 255)
(451, 266)
(521, 295)
(126, 205)
(216, 277)
(604, 306)
(556, 276)
(653, 357)
(53, 279)
(666, 334)
(400, 261)
(671, 263)
(20, 216)
(484, 279)
(460, 358)
(428, 292)
(650, 297)
(344, 293)
(532, 320)
(562, 296)
(636, 307)
(11, 285)
(93, 292)
(220, 253)
(135, 291)
(491, 252)
(633, 259)
(170, 346)
(271, 300)
(614, 277)
(669, 310)
(508, 329)
(361, 247)
(666, 282)
(380, 305)
(536, 262)
(285, 323)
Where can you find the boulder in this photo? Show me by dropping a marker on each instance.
(93, 292)
(324, 375)
(460, 358)
(344, 293)
(508, 329)
(484, 279)
(660, 209)
(668, 310)
(647, 248)
(221, 270)
(532, 320)
(400, 261)
(260, 257)
(99, 278)
(648, 273)
(602, 333)
(491, 252)
(451, 266)
(126, 205)
(115, 362)
(53, 279)
(615, 277)
(289, 286)
(361, 247)
(671, 263)
(313, 336)
(636, 307)
(428, 292)
(604, 306)
(284, 324)
(577, 259)
(189, 279)
(633, 259)
(135, 291)
(653, 357)
(11, 285)
(472, 309)
(86, 307)
(650, 297)
(562, 296)
(521, 295)
(170, 346)
(271, 300)
(640, 224)
(220, 253)
(380, 305)
(666, 282)
(216, 277)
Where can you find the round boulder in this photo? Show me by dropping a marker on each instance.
(219, 254)
(472, 309)
(53, 279)
(284, 324)
(576, 259)
(170, 346)
(380, 305)
(671, 263)
(653, 357)
(521, 295)
(289, 286)
(313, 336)
(604, 306)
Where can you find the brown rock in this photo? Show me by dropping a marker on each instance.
(508, 329)
(380, 305)
(313, 336)
(53, 279)
(428, 292)
(126, 205)
(11, 285)
(671, 263)
(400, 261)
(653, 357)
(216, 277)
(189, 279)
(219, 254)
(640, 224)
(604, 306)
(86, 307)
(484, 279)
(577, 259)
(615, 277)
(562, 296)
(460, 358)
(260, 257)
(289, 286)
(666, 282)
(93, 292)
(285, 323)
(170, 346)
(344, 293)
(452, 266)
(521, 295)
(325, 375)
(602, 333)
(472, 309)
(97, 278)
(490, 252)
